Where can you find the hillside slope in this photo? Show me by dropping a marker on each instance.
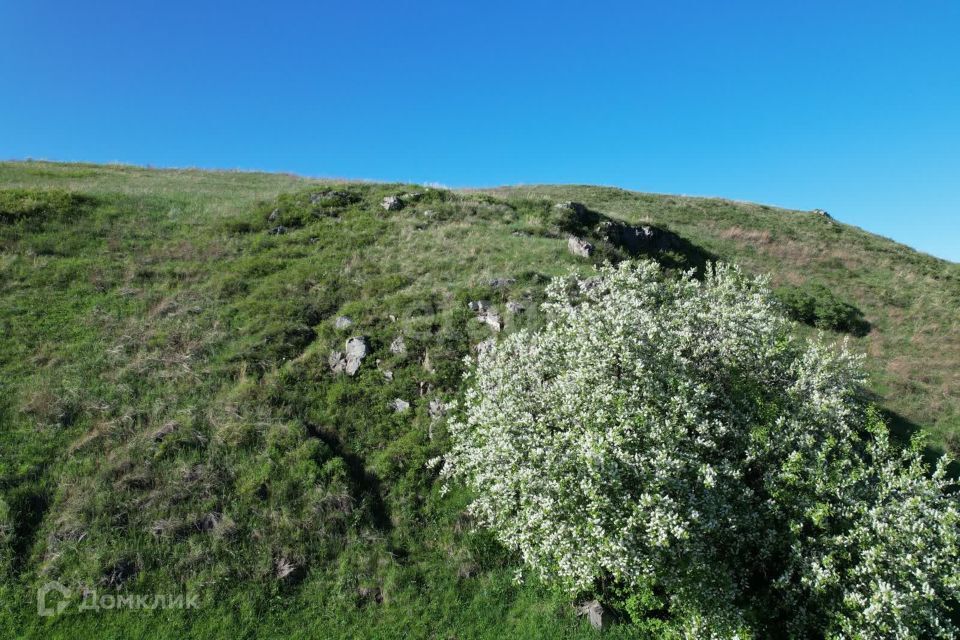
(172, 421)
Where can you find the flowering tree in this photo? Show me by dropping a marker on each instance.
(669, 441)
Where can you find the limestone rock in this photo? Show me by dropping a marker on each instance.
(492, 320)
(579, 247)
(349, 362)
(599, 617)
(342, 322)
(400, 405)
(392, 203)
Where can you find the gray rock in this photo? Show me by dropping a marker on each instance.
(479, 306)
(579, 247)
(437, 408)
(357, 347)
(387, 374)
(400, 406)
(392, 203)
(576, 207)
(280, 230)
(491, 319)
(515, 307)
(274, 215)
(337, 361)
(349, 362)
(486, 346)
(398, 346)
(502, 283)
(821, 212)
(599, 617)
(342, 322)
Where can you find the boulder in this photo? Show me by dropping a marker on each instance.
(392, 203)
(491, 319)
(398, 346)
(599, 617)
(579, 247)
(400, 405)
(279, 230)
(342, 322)
(515, 307)
(349, 362)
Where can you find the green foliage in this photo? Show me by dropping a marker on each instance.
(817, 306)
(671, 436)
(167, 413)
(34, 206)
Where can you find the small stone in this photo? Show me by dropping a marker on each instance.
(398, 346)
(515, 307)
(342, 322)
(387, 374)
(437, 408)
(479, 306)
(392, 203)
(576, 207)
(400, 406)
(491, 319)
(579, 247)
(280, 230)
(337, 361)
(502, 283)
(274, 215)
(486, 346)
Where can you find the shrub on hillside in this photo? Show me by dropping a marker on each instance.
(36, 206)
(667, 445)
(817, 306)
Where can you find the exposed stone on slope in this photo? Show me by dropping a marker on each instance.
(579, 247)
(392, 203)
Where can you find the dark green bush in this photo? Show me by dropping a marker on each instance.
(40, 206)
(817, 306)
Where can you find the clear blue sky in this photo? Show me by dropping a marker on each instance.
(853, 107)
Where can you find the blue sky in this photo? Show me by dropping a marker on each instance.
(853, 107)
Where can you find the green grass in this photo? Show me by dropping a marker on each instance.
(170, 423)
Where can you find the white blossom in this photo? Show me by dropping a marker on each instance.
(670, 431)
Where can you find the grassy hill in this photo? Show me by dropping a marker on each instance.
(170, 422)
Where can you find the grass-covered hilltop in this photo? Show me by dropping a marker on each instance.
(228, 385)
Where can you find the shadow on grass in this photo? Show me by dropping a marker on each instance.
(366, 486)
(902, 431)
